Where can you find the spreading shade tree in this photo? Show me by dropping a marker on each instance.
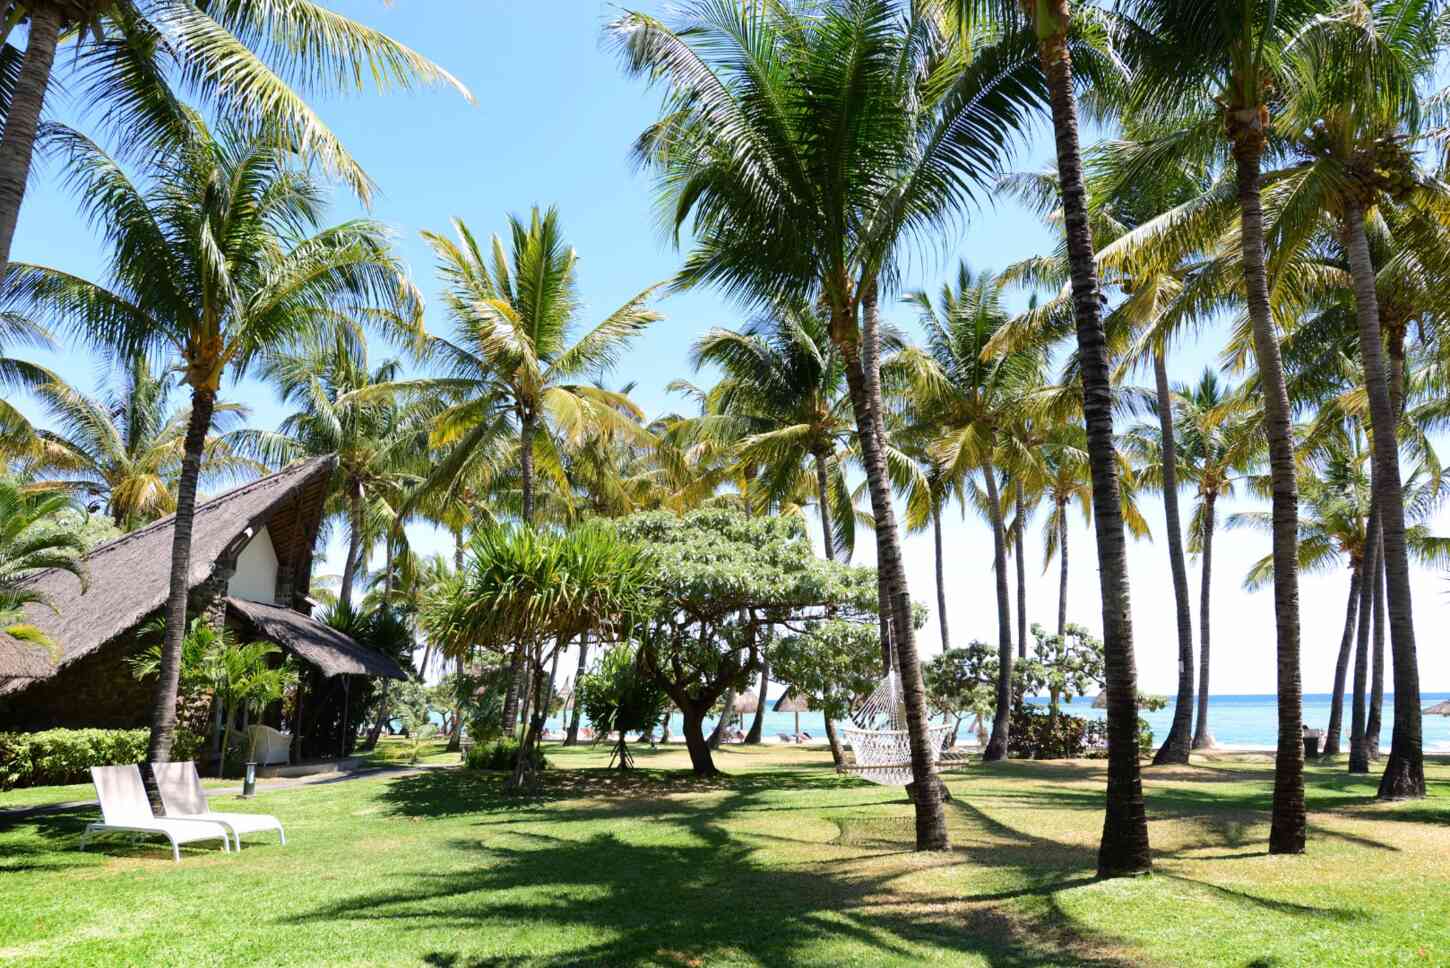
(214, 258)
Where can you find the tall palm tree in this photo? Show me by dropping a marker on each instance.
(1355, 121)
(516, 360)
(26, 547)
(216, 260)
(781, 401)
(253, 59)
(974, 398)
(343, 406)
(123, 449)
(804, 147)
(1205, 69)
(1124, 848)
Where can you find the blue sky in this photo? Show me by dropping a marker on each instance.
(553, 124)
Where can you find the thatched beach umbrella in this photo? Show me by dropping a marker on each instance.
(793, 702)
(1439, 709)
(1102, 701)
(744, 703)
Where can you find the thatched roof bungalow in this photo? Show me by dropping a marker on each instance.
(251, 565)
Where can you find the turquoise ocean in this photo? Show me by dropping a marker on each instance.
(1236, 721)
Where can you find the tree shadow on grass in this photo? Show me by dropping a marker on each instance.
(703, 893)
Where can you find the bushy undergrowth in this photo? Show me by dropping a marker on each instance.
(501, 754)
(59, 756)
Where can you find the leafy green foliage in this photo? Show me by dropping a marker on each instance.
(1063, 666)
(503, 754)
(617, 696)
(57, 756)
(1036, 734)
(29, 542)
(835, 665)
(963, 680)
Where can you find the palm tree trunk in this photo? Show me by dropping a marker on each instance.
(941, 581)
(1341, 667)
(168, 678)
(572, 738)
(1062, 571)
(1374, 724)
(1289, 819)
(356, 555)
(823, 502)
(1124, 848)
(511, 694)
(1019, 539)
(17, 145)
(757, 725)
(1175, 747)
(1002, 718)
(1202, 735)
(1358, 746)
(380, 718)
(863, 380)
(455, 734)
(1404, 775)
(526, 464)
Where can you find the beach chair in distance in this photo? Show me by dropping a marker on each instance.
(126, 809)
(184, 799)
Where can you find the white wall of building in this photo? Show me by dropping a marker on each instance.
(256, 577)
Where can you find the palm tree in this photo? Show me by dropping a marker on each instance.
(253, 60)
(1355, 122)
(782, 403)
(973, 398)
(217, 261)
(1124, 849)
(512, 361)
(123, 449)
(1205, 69)
(17, 438)
(28, 546)
(1065, 481)
(344, 406)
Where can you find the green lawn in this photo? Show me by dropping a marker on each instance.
(780, 863)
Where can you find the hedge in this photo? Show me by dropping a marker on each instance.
(60, 756)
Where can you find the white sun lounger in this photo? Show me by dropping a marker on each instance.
(184, 799)
(126, 809)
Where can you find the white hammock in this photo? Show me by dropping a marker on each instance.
(880, 739)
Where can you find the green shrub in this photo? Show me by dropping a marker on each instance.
(60, 756)
(1097, 738)
(1035, 735)
(501, 754)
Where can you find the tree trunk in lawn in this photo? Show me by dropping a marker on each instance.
(1175, 747)
(1341, 667)
(1404, 775)
(823, 501)
(695, 742)
(455, 735)
(941, 582)
(863, 379)
(1202, 735)
(381, 718)
(168, 678)
(511, 693)
(553, 677)
(526, 464)
(17, 145)
(757, 725)
(1358, 741)
(572, 739)
(1062, 571)
(1019, 539)
(1289, 819)
(1002, 718)
(725, 715)
(1374, 724)
(838, 755)
(523, 764)
(1124, 847)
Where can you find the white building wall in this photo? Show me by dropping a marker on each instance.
(256, 577)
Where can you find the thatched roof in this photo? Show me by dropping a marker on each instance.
(129, 577)
(745, 702)
(792, 702)
(322, 646)
(1439, 709)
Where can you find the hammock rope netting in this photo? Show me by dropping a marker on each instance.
(880, 740)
